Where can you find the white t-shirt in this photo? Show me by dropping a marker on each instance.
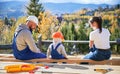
(101, 40)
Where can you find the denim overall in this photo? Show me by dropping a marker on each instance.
(25, 54)
(55, 54)
(98, 54)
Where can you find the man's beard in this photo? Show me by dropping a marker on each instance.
(30, 29)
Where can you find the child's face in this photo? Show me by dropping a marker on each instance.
(56, 40)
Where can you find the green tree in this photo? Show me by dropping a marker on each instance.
(34, 8)
(117, 6)
(116, 33)
(100, 8)
(82, 32)
(6, 21)
(74, 33)
(115, 36)
(64, 30)
(106, 23)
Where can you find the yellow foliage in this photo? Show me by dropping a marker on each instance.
(1, 23)
(114, 25)
(86, 17)
(83, 11)
(45, 24)
(117, 11)
(1, 26)
(21, 20)
(8, 32)
(113, 21)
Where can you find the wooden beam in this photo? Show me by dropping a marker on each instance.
(115, 61)
(69, 61)
(112, 61)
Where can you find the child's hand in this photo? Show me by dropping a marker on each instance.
(65, 57)
(48, 58)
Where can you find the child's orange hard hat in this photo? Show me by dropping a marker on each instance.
(57, 35)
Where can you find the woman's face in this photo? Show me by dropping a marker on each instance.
(93, 25)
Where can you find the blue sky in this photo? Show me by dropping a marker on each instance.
(77, 1)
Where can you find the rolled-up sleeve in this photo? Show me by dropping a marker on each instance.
(63, 51)
(49, 51)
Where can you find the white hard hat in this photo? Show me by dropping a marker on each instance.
(33, 18)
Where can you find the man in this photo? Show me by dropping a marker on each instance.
(23, 45)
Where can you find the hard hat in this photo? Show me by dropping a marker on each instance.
(57, 35)
(33, 18)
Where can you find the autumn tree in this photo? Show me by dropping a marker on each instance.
(47, 24)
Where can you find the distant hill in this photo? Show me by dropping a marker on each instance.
(12, 9)
(69, 7)
(17, 8)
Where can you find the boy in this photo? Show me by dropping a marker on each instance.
(56, 49)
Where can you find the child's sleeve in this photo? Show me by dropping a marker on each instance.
(48, 51)
(63, 51)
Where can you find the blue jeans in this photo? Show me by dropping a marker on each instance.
(98, 54)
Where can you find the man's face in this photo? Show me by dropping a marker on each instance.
(32, 25)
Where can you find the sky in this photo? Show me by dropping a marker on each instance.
(112, 2)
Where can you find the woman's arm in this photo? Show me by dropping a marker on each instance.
(91, 39)
(91, 44)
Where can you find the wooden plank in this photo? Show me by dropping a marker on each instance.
(78, 61)
(10, 59)
(113, 61)
(70, 61)
(6, 56)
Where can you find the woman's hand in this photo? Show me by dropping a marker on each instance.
(91, 44)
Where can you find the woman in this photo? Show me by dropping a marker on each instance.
(99, 41)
